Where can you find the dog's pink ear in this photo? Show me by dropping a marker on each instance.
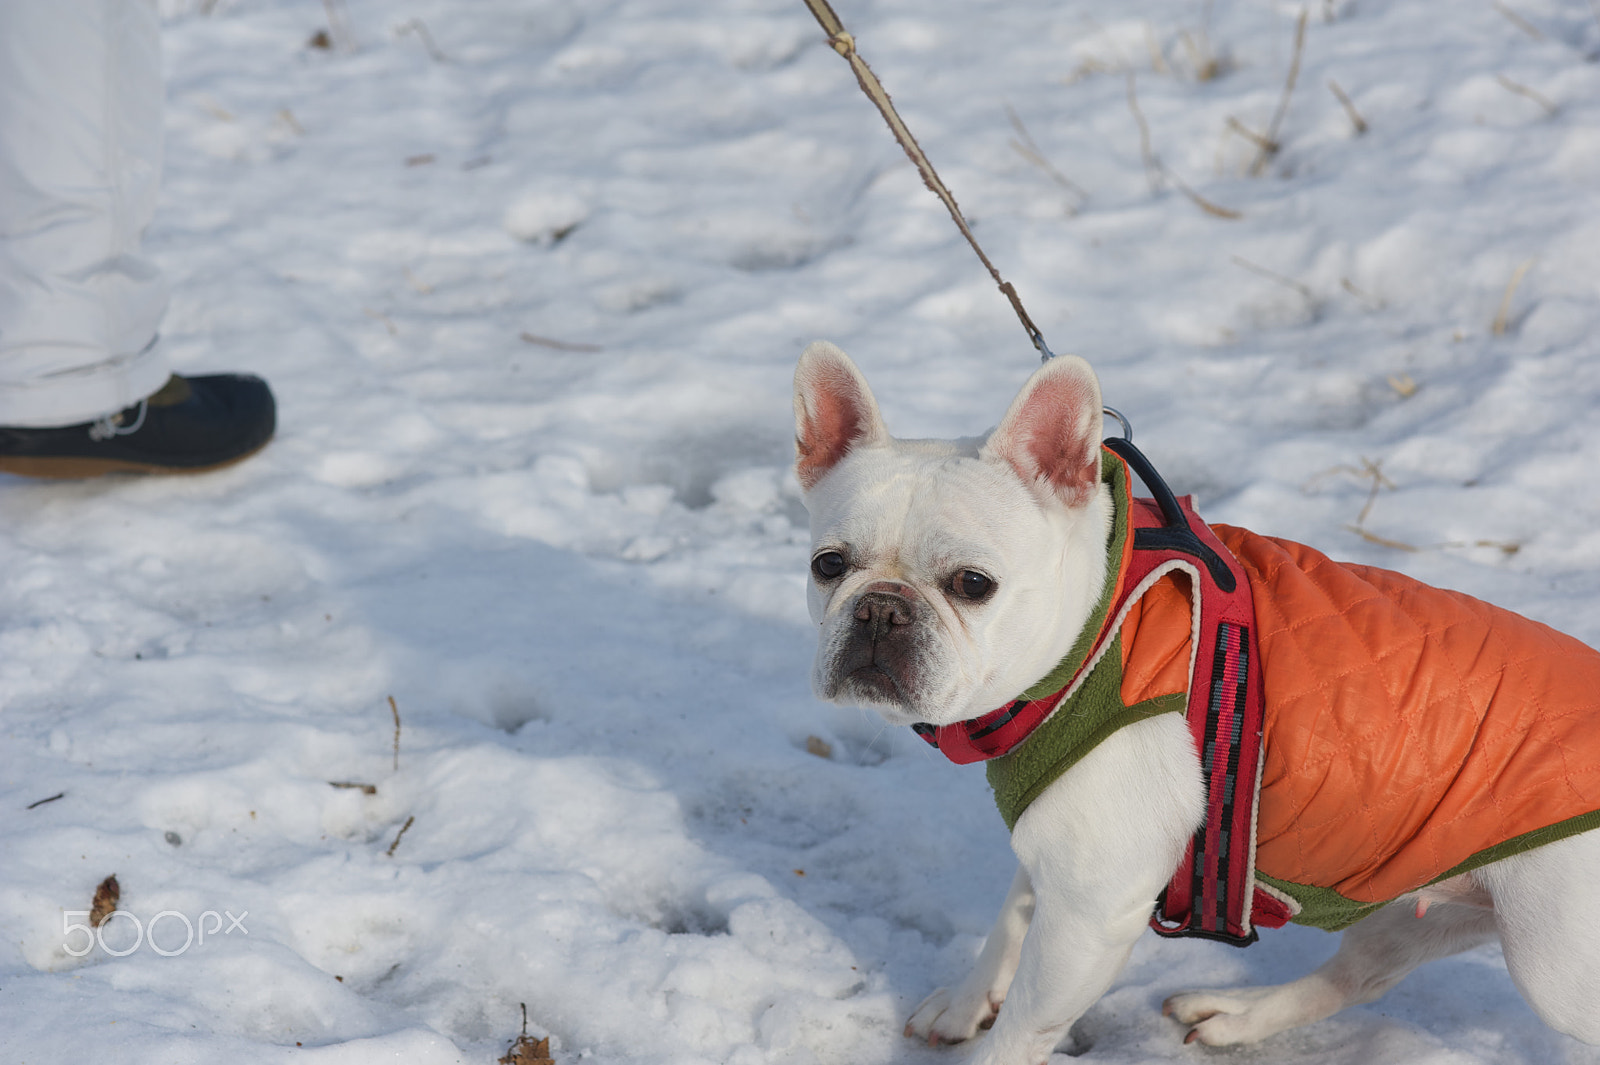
(834, 412)
(1051, 434)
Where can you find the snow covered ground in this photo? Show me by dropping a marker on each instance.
(577, 567)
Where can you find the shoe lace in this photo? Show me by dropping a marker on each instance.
(111, 425)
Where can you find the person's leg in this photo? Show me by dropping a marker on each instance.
(80, 163)
(84, 388)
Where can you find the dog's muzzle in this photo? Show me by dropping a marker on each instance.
(876, 657)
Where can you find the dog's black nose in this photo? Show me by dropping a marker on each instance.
(879, 611)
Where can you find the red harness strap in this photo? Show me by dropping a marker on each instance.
(1210, 895)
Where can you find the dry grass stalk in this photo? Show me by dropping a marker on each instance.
(420, 28)
(1372, 302)
(1152, 165)
(354, 785)
(1369, 471)
(1379, 480)
(1156, 171)
(1205, 63)
(1502, 317)
(416, 282)
(399, 835)
(41, 802)
(1519, 22)
(1158, 62)
(1404, 384)
(1520, 89)
(1273, 275)
(1374, 471)
(1088, 68)
(339, 25)
(1356, 120)
(1382, 541)
(1505, 547)
(559, 345)
(394, 708)
(1216, 210)
(388, 323)
(1283, 101)
(1251, 135)
(1029, 150)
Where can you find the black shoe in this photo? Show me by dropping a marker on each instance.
(192, 424)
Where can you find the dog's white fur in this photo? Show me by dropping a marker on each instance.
(1025, 509)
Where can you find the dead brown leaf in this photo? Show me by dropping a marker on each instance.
(526, 1051)
(818, 746)
(105, 901)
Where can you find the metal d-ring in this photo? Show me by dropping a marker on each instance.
(1127, 426)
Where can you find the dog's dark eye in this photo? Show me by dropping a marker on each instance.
(828, 565)
(970, 584)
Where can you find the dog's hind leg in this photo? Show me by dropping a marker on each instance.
(1546, 903)
(948, 1016)
(1373, 956)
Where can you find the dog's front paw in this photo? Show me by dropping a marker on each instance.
(1224, 1018)
(952, 1016)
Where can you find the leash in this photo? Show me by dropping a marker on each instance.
(845, 44)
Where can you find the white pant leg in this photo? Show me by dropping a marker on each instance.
(80, 165)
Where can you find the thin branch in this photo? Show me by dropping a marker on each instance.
(842, 42)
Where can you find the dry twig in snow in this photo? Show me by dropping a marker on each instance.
(1156, 171)
(1349, 107)
(394, 708)
(399, 835)
(1283, 101)
(1029, 150)
(1520, 89)
(1519, 22)
(1502, 318)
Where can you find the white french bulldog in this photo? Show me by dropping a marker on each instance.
(947, 577)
